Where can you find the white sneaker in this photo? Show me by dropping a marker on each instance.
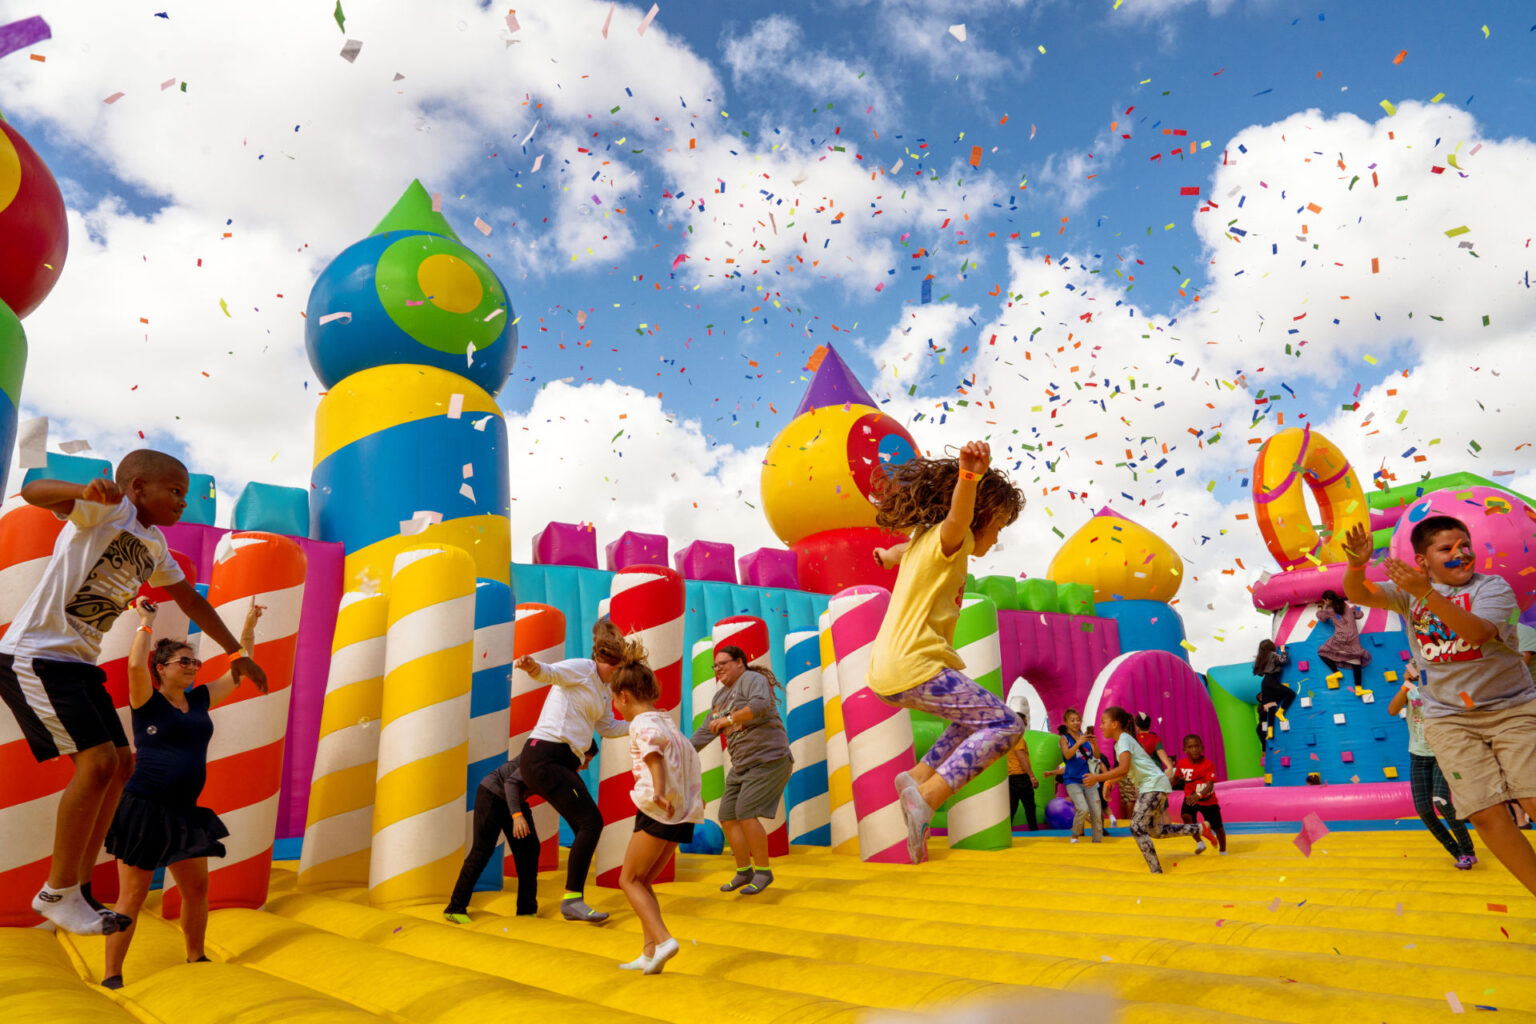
(1199, 847)
(640, 963)
(1073, 839)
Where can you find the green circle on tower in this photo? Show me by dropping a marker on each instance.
(441, 294)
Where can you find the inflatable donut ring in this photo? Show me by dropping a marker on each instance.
(1288, 460)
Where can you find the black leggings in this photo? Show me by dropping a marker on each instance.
(1272, 692)
(1021, 792)
(492, 821)
(1335, 666)
(1429, 792)
(549, 771)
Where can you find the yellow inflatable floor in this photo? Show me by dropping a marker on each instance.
(1373, 927)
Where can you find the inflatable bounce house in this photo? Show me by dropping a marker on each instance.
(395, 615)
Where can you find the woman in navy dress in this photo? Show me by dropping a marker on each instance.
(158, 823)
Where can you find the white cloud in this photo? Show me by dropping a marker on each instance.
(773, 52)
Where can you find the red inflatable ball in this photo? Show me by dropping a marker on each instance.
(32, 223)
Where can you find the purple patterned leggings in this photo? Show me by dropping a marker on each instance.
(981, 728)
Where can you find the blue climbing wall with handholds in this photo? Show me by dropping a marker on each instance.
(1342, 736)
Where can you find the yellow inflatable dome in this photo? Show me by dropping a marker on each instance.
(1119, 559)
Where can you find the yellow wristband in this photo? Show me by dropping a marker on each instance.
(966, 474)
(238, 653)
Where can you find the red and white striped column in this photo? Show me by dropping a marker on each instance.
(879, 734)
(540, 634)
(646, 603)
(750, 633)
(245, 758)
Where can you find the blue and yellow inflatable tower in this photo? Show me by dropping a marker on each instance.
(412, 334)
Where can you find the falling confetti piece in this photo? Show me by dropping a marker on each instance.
(225, 307)
(512, 25)
(645, 22)
(350, 51)
(1453, 232)
(681, 258)
(958, 31)
(113, 98)
(341, 18)
(455, 406)
(538, 162)
(437, 202)
(482, 226)
(327, 318)
(608, 20)
(1400, 55)
(1450, 997)
(23, 33)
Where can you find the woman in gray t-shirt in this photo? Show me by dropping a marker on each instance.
(745, 712)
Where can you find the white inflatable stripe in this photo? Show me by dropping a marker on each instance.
(874, 747)
(347, 748)
(248, 724)
(406, 558)
(882, 829)
(28, 831)
(356, 663)
(17, 583)
(485, 735)
(337, 836)
(493, 645)
(663, 644)
(1091, 707)
(418, 840)
(281, 618)
(809, 815)
(428, 630)
(981, 657)
(808, 750)
(623, 581)
(977, 812)
(845, 823)
(422, 733)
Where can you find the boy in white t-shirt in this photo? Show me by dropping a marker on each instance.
(110, 546)
(1478, 699)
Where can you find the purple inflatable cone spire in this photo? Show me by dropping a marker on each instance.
(833, 384)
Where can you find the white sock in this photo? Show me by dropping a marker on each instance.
(67, 909)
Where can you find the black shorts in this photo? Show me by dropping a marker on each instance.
(1210, 812)
(62, 706)
(666, 833)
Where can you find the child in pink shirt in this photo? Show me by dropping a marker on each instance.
(667, 795)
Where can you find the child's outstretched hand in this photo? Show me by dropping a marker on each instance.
(102, 491)
(1410, 579)
(975, 457)
(527, 663)
(1358, 546)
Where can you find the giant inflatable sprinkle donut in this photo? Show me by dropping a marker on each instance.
(1288, 460)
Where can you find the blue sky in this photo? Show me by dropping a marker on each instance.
(820, 99)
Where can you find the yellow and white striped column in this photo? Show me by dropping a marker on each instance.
(845, 822)
(338, 828)
(418, 824)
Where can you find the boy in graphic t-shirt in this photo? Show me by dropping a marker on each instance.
(110, 546)
(1479, 701)
(1198, 774)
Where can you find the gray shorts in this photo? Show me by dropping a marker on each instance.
(755, 791)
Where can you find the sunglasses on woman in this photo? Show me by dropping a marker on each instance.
(185, 662)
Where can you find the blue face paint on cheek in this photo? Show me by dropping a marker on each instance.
(1453, 563)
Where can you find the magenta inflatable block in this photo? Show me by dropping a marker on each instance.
(1303, 666)
(707, 560)
(1348, 757)
(566, 544)
(770, 567)
(636, 549)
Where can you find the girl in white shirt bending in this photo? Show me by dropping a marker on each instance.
(579, 701)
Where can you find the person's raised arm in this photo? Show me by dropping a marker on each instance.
(59, 496)
(241, 665)
(975, 457)
(141, 685)
(889, 558)
(1358, 548)
(222, 687)
(561, 673)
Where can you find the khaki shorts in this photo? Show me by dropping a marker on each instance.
(1487, 757)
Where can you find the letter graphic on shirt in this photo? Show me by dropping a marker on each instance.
(1437, 641)
(110, 585)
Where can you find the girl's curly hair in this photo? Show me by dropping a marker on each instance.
(916, 495)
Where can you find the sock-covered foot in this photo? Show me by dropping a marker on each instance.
(67, 909)
(760, 881)
(664, 951)
(639, 963)
(115, 982)
(455, 917)
(575, 909)
(1199, 847)
(918, 814)
(904, 782)
(743, 876)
